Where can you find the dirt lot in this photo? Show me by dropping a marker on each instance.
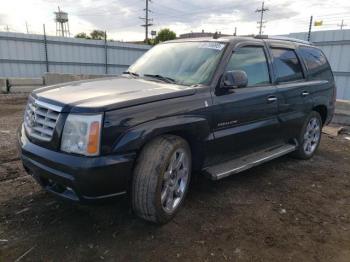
(286, 210)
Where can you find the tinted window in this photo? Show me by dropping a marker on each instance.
(316, 63)
(252, 60)
(287, 65)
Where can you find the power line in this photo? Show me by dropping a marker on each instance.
(147, 20)
(261, 11)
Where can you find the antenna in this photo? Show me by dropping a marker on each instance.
(62, 25)
(261, 22)
(310, 28)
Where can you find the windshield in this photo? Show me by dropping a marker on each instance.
(187, 63)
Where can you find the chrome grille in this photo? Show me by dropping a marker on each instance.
(40, 119)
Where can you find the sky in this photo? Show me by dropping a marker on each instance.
(121, 18)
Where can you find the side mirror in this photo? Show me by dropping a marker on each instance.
(234, 79)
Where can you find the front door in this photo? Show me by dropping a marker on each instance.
(246, 118)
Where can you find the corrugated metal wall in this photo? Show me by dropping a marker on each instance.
(24, 55)
(336, 46)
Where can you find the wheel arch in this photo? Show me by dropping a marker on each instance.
(194, 130)
(323, 111)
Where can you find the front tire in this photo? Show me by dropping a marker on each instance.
(161, 178)
(310, 136)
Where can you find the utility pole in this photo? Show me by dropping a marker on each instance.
(310, 28)
(342, 24)
(147, 20)
(27, 27)
(46, 53)
(261, 11)
(235, 33)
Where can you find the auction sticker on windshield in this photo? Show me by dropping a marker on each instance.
(212, 45)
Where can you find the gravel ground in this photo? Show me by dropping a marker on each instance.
(285, 210)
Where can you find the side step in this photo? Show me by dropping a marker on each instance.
(243, 163)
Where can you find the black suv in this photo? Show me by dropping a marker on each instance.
(211, 107)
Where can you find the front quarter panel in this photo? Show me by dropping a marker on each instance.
(128, 129)
(193, 126)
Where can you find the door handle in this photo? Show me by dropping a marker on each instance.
(305, 93)
(271, 99)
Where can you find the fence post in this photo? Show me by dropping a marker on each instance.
(106, 54)
(46, 55)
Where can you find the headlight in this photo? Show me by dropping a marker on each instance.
(81, 134)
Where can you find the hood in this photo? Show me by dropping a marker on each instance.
(109, 93)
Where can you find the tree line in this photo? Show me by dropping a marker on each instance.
(162, 36)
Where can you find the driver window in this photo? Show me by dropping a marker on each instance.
(253, 61)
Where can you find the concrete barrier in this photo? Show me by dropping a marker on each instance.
(3, 85)
(25, 81)
(53, 78)
(342, 113)
(24, 85)
(23, 89)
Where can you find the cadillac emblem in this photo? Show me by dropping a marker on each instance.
(32, 118)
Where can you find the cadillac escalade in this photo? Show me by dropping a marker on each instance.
(206, 106)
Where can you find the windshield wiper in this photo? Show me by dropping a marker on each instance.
(163, 78)
(130, 73)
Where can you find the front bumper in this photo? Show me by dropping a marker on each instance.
(76, 178)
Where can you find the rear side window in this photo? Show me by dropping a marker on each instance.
(287, 65)
(316, 63)
(251, 60)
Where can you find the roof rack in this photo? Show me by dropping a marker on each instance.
(283, 38)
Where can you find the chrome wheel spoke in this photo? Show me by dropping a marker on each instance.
(172, 163)
(175, 180)
(309, 146)
(170, 200)
(179, 161)
(164, 194)
(312, 136)
(178, 192)
(167, 175)
(316, 138)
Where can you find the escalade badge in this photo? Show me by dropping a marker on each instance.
(32, 118)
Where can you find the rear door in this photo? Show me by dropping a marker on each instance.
(246, 118)
(293, 90)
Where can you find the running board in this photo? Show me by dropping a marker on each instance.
(241, 164)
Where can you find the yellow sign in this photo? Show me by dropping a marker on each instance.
(318, 23)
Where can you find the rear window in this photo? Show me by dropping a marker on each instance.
(316, 63)
(287, 65)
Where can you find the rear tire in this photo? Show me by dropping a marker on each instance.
(310, 136)
(161, 178)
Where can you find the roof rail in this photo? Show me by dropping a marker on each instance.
(283, 38)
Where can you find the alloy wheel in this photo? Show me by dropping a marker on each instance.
(175, 181)
(312, 136)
